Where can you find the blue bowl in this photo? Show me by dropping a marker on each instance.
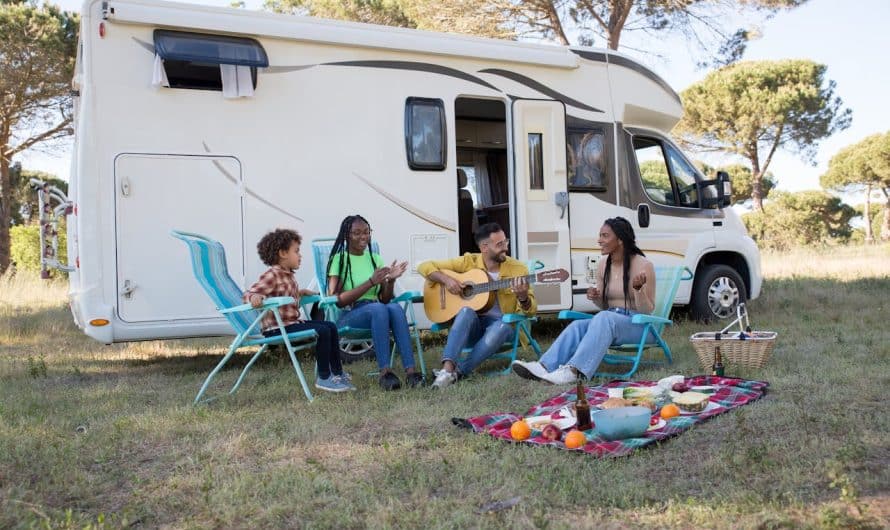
(621, 422)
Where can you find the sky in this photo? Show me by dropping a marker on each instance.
(851, 38)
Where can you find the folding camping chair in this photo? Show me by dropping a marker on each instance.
(321, 251)
(521, 328)
(667, 281)
(209, 266)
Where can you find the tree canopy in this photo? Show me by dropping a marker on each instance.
(802, 218)
(863, 166)
(603, 22)
(753, 108)
(37, 51)
(472, 17)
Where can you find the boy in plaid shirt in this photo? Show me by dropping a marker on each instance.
(280, 249)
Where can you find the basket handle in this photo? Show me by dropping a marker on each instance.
(741, 320)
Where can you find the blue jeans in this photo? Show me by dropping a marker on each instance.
(485, 332)
(584, 343)
(381, 319)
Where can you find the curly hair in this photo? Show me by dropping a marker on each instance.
(275, 241)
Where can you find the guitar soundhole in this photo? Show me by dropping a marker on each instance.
(467, 291)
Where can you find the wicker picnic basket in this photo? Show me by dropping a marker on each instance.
(749, 349)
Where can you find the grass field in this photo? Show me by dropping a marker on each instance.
(105, 436)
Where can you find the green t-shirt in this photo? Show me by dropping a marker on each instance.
(360, 271)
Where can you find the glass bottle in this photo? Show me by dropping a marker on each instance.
(582, 408)
(717, 369)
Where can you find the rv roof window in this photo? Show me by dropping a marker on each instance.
(425, 139)
(209, 49)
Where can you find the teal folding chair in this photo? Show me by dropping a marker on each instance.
(667, 281)
(349, 336)
(209, 266)
(521, 328)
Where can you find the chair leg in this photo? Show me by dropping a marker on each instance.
(419, 349)
(293, 360)
(531, 340)
(232, 348)
(246, 368)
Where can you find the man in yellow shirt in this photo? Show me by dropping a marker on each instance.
(486, 331)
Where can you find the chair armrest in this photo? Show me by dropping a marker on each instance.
(268, 303)
(310, 299)
(512, 318)
(439, 327)
(567, 314)
(640, 318)
(409, 296)
(322, 300)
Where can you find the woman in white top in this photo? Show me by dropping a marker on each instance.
(628, 287)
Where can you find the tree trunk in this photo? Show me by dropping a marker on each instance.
(756, 181)
(5, 214)
(885, 225)
(869, 237)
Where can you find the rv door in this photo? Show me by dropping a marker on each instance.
(541, 229)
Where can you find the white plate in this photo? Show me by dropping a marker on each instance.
(537, 422)
(711, 406)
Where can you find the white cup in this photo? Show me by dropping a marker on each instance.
(616, 392)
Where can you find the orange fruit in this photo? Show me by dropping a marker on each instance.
(575, 439)
(670, 411)
(520, 430)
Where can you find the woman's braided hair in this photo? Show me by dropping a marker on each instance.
(340, 252)
(625, 232)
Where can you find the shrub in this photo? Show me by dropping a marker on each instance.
(24, 246)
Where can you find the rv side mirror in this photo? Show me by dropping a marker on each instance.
(724, 189)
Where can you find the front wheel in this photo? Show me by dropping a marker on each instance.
(717, 292)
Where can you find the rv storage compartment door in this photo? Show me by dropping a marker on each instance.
(541, 191)
(159, 193)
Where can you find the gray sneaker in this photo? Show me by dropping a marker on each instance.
(333, 383)
(345, 380)
(529, 370)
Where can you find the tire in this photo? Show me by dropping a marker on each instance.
(717, 292)
(352, 351)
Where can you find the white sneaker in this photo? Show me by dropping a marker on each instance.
(529, 370)
(561, 376)
(444, 378)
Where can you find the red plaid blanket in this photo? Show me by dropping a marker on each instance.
(731, 393)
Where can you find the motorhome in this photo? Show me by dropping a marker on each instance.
(229, 123)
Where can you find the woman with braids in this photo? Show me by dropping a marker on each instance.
(364, 288)
(628, 281)
(280, 250)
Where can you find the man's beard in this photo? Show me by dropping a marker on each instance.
(500, 257)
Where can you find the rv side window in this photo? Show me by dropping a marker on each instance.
(666, 176)
(425, 140)
(586, 155)
(198, 61)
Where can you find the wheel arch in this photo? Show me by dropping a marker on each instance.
(732, 259)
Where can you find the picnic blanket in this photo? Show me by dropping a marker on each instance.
(730, 393)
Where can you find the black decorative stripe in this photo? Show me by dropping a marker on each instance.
(419, 67)
(534, 85)
(591, 56)
(147, 46)
(627, 63)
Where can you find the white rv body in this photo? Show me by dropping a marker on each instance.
(324, 136)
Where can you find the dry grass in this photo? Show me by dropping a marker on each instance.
(105, 436)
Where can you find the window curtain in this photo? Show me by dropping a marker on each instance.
(159, 75)
(483, 182)
(236, 81)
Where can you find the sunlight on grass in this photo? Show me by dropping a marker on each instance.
(105, 436)
(842, 263)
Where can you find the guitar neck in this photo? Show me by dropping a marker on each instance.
(500, 284)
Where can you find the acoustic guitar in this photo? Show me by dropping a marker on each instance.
(477, 293)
